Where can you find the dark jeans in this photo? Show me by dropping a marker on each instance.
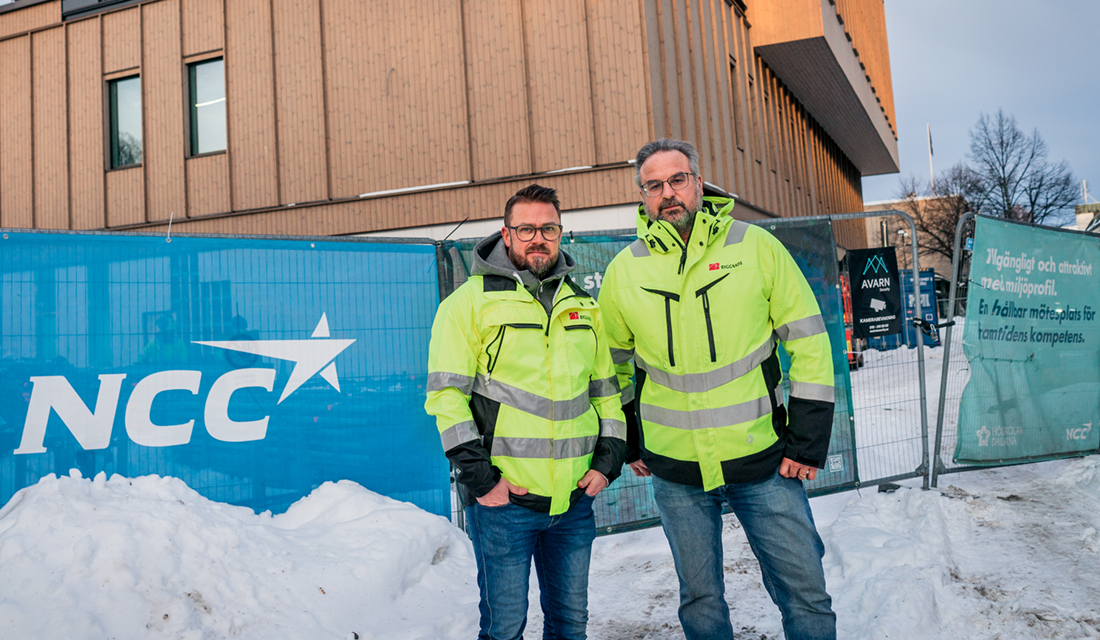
(505, 540)
(776, 517)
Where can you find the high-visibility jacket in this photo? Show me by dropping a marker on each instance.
(701, 323)
(523, 392)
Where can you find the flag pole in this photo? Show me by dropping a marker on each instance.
(931, 175)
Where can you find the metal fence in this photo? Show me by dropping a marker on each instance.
(83, 306)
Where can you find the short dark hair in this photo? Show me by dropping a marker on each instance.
(532, 193)
(665, 144)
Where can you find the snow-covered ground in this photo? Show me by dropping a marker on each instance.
(999, 553)
(1003, 553)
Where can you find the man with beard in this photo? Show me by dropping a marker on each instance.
(699, 304)
(525, 396)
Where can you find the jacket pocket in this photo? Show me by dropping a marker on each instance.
(494, 346)
(669, 299)
(704, 293)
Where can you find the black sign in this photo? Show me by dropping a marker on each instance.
(876, 292)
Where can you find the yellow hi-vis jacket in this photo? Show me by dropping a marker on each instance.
(522, 392)
(701, 323)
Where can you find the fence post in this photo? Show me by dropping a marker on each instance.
(937, 464)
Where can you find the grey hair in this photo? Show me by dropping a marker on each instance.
(665, 144)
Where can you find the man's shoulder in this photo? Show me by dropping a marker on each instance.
(465, 294)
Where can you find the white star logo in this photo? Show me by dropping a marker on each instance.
(309, 356)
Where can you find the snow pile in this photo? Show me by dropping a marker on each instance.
(997, 554)
(1012, 557)
(150, 558)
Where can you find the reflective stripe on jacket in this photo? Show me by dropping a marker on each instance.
(702, 323)
(523, 393)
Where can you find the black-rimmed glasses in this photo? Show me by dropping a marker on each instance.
(677, 182)
(526, 233)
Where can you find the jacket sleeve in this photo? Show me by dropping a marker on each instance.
(620, 339)
(452, 365)
(603, 393)
(797, 321)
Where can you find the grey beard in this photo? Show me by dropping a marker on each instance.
(541, 273)
(685, 223)
(521, 262)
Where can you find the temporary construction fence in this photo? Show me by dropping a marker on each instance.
(1032, 343)
(257, 368)
(254, 369)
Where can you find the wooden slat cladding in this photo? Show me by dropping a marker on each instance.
(122, 40)
(396, 95)
(428, 96)
(577, 191)
(16, 149)
(754, 137)
(620, 114)
(208, 185)
(303, 170)
(51, 145)
(559, 84)
(250, 102)
(496, 88)
(353, 64)
(330, 99)
(203, 26)
(86, 118)
(36, 17)
(125, 197)
(163, 98)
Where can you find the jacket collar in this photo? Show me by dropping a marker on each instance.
(491, 258)
(661, 237)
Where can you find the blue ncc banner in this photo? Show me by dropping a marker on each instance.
(253, 369)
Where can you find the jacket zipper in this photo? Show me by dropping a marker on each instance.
(683, 255)
(706, 313)
(669, 299)
(494, 359)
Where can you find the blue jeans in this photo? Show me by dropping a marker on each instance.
(776, 517)
(505, 540)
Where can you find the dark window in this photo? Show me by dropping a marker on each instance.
(207, 106)
(125, 121)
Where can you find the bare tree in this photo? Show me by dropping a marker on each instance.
(1017, 180)
(936, 212)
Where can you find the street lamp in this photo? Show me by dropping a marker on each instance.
(904, 241)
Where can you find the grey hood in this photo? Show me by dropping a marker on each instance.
(491, 258)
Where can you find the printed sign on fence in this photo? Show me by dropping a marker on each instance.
(253, 369)
(1033, 342)
(876, 292)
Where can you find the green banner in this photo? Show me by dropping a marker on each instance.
(1033, 343)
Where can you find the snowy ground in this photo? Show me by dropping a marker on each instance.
(1003, 553)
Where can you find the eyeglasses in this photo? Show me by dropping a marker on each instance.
(526, 233)
(677, 182)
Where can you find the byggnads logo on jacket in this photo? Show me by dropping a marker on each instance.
(715, 266)
(92, 426)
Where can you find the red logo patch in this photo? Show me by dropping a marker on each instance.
(714, 266)
(573, 315)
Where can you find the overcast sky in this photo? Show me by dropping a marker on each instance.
(952, 60)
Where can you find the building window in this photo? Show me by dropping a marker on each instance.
(125, 96)
(207, 106)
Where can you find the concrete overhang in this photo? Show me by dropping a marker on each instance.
(824, 74)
